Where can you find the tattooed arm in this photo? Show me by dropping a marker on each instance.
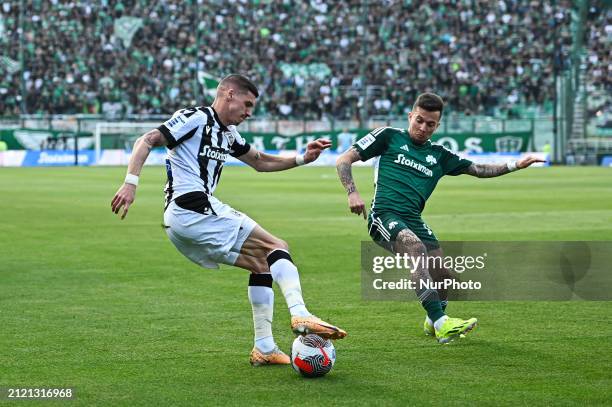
(486, 170)
(495, 170)
(343, 166)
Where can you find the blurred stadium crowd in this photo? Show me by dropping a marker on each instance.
(309, 58)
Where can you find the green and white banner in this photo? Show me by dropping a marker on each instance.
(209, 83)
(515, 142)
(126, 27)
(36, 139)
(511, 142)
(9, 65)
(456, 142)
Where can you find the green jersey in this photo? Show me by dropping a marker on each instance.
(406, 173)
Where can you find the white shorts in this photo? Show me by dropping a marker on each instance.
(208, 239)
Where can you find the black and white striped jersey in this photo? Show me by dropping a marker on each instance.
(198, 145)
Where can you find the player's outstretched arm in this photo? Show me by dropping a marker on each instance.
(263, 162)
(142, 147)
(495, 170)
(343, 166)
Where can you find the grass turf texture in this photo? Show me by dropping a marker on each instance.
(110, 307)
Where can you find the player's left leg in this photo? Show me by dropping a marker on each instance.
(438, 274)
(413, 237)
(432, 246)
(261, 296)
(446, 329)
(407, 242)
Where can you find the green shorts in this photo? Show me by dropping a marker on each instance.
(384, 227)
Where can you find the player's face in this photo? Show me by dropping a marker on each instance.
(240, 106)
(422, 124)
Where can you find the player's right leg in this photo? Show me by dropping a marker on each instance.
(262, 245)
(261, 296)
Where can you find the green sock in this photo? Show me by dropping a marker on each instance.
(430, 300)
(434, 309)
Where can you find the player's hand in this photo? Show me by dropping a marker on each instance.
(357, 205)
(123, 198)
(527, 161)
(315, 148)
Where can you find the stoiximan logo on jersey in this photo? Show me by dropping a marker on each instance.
(413, 164)
(214, 153)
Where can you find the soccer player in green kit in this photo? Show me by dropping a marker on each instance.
(408, 168)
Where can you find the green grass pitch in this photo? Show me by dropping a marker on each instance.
(110, 308)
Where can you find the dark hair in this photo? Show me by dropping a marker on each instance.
(430, 102)
(240, 81)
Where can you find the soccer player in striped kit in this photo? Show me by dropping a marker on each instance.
(209, 232)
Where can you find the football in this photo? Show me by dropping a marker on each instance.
(312, 356)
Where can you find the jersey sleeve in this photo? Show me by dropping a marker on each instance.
(239, 146)
(182, 126)
(452, 164)
(373, 144)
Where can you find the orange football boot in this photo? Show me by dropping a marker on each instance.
(275, 357)
(314, 325)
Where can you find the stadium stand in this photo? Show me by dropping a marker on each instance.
(140, 57)
(599, 62)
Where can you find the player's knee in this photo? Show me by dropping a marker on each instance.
(414, 249)
(269, 244)
(283, 245)
(409, 244)
(259, 266)
(278, 244)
